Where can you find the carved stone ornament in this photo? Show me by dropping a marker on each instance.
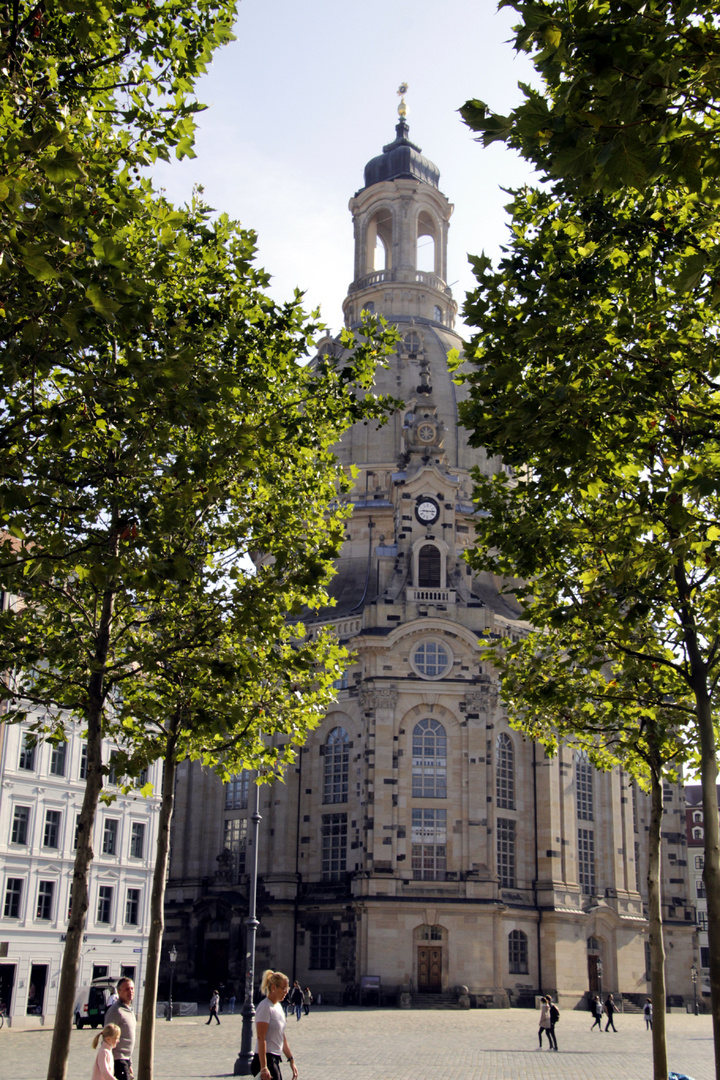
(481, 700)
(385, 698)
(225, 861)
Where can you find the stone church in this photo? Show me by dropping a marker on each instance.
(420, 845)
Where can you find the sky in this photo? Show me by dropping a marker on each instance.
(307, 95)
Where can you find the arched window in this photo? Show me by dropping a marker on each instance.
(505, 774)
(697, 834)
(426, 244)
(429, 760)
(337, 766)
(378, 242)
(412, 344)
(584, 802)
(517, 952)
(429, 567)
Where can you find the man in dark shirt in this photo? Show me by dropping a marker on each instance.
(121, 1013)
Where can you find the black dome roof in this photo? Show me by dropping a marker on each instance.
(401, 159)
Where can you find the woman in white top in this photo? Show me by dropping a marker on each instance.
(270, 1023)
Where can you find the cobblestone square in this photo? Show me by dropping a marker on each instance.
(387, 1044)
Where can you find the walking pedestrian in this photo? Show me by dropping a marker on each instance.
(610, 1009)
(104, 1067)
(307, 1000)
(544, 1024)
(270, 1022)
(554, 1017)
(121, 1013)
(597, 1009)
(214, 1005)
(296, 999)
(647, 1013)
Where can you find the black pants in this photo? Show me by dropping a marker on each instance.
(122, 1069)
(551, 1037)
(598, 1022)
(213, 1012)
(610, 1023)
(273, 1064)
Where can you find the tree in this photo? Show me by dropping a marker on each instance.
(630, 94)
(226, 683)
(596, 379)
(153, 452)
(558, 687)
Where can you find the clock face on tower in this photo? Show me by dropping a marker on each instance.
(427, 511)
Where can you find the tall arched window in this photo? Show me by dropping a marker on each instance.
(337, 766)
(517, 952)
(584, 802)
(429, 760)
(429, 567)
(505, 774)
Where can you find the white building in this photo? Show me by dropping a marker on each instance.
(41, 791)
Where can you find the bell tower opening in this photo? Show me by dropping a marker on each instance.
(426, 244)
(378, 242)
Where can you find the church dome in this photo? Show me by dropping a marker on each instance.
(401, 159)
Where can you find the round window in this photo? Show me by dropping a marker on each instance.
(432, 659)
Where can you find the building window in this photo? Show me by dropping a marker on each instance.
(132, 907)
(697, 815)
(322, 947)
(697, 833)
(337, 766)
(700, 888)
(412, 344)
(702, 920)
(505, 777)
(429, 760)
(586, 861)
(518, 952)
(430, 933)
(27, 752)
(635, 807)
(699, 862)
(429, 567)
(142, 778)
(112, 767)
(46, 891)
(58, 756)
(505, 833)
(83, 762)
(70, 892)
(13, 897)
(334, 846)
(704, 956)
(342, 682)
(51, 835)
(235, 841)
(137, 840)
(429, 844)
(583, 787)
(21, 821)
(105, 899)
(237, 790)
(431, 659)
(110, 835)
(438, 313)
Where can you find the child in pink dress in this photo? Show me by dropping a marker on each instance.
(103, 1069)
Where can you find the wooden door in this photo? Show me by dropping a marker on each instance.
(429, 969)
(593, 978)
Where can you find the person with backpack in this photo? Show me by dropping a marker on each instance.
(554, 1018)
(596, 1007)
(647, 1013)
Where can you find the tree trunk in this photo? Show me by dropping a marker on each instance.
(708, 774)
(146, 1054)
(657, 945)
(60, 1047)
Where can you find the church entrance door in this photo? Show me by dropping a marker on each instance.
(593, 977)
(429, 969)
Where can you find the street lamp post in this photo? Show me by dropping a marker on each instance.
(244, 1058)
(173, 957)
(694, 976)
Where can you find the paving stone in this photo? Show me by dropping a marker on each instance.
(388, 1044)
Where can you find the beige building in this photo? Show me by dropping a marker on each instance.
(421, 844)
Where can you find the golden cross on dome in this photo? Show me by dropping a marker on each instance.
(402, 107)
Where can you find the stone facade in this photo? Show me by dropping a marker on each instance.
(421, 842)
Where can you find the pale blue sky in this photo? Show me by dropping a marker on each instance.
(307, 95)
